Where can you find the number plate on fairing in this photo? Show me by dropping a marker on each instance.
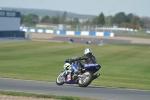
(88, 65)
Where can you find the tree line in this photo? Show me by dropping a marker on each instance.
(120, 19)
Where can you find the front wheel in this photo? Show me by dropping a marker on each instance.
(60, 79)
(85, 79)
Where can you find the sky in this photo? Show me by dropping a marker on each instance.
(86, 7)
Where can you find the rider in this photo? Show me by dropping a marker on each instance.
(89, 59)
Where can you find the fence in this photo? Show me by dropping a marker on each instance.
(64, 32)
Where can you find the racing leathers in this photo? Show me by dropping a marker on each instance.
(89, 59)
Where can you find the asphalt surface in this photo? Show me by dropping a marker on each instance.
(72, 90)
(10, 40)
(93, 40)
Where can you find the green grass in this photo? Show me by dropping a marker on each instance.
(138, 34)
(123, 65)
(46, 96)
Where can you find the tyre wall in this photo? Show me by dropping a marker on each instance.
(63, 32)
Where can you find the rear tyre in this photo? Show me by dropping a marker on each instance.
(85, 79)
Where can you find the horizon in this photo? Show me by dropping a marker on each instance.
(84, 7)
(68, 12)
(46, 9)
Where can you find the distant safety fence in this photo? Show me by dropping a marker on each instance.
(64, 32)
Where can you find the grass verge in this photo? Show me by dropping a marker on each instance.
(123, 65)
(43, 96)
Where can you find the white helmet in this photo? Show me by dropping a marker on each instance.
(87, 50)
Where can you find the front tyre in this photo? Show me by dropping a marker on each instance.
(60, 79)
(85, 79)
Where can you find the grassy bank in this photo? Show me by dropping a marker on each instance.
(42, 96)
(126, 66)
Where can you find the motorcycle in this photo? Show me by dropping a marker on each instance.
(83, 79)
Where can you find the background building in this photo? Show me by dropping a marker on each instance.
(10, 24)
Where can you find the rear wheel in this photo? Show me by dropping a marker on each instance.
(85, 79)
(60, 79)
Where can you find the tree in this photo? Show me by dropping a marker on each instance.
(76, 21)
(45, 19)
(55, 19)
(146, 22)
(32, 19)
(95, 21)
(23, 19)
(63, 19)
(101, 19)
(129, 17)
(120, 18)
(108, 20)
(88, 22)
(136, 21)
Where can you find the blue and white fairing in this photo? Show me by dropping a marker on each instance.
(92, 67)
(73, 68)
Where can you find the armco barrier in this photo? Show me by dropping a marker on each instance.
(15, 34)
(63, 32)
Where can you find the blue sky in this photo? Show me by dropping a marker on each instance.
(90, 7)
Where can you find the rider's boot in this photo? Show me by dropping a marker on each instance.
(96, 76)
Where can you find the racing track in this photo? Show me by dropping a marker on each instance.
(9, 40)
(72, 90)
(93, 39)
